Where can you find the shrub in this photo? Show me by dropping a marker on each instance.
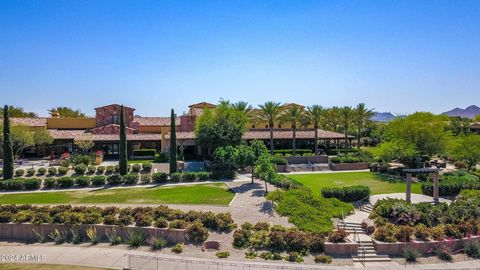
(189, 176)
(80, 169)
(241, 238)
(109, 169)
(160, 177)
(421, 232)
(404, 233)
(411, 254)
(6, 217)
(294, 257)
(157, 242)
(1, 173)
(100, 169)
(76, 237)
(222, 254)
(30, 172)
(323, 259)
(136, 238)
(338, 236)
(31, 184)
(178, 248)
(261, 226)
(82, 181)
(63, 170)
(136, 168)
(59, 237)
(130, 179)
(196, 232)
(113, 237)
(438, 233)
(472, 249)
(177, 224)
(91, 169)
(176, 177)
(65, 182)
(143, 220)
(145, 179)
(250, 254)
(125, 220)
(347, 194)
(386, 233)
(279, 160)
(98, 180)
(114, 179)
(49, 183)
(266, 255)
(444, 253)
(202, 176)
(147, 167)
(161, 223)
(19, 172)
(41, 171)
(52, 171)
(144, 152)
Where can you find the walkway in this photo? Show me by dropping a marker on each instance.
(116, 259)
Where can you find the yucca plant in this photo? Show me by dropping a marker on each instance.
(41, 236)
(59, 237)
(136, 238)
(157, 242)
(93, 235)
(113, 237)
(76, 237)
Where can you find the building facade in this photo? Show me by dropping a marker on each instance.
(153, 132)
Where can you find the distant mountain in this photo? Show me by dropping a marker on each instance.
(469, 112)
(382, 116)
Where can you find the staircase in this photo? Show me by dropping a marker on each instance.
(353, 227)
(366, 253)
(367, 208)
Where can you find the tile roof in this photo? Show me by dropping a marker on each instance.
(202, 105)
(31, 122)
(76, 134)
(66, 134)
(155, 121)
(114, 105)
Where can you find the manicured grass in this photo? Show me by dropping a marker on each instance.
(213, 194)
(377, 185)
(140, 161)
(14, 266)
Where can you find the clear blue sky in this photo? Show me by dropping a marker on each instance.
(399, 56)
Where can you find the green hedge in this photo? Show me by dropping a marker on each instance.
(334, 152)
(346, 194)
(298, 152)
(144, 152)
(20, 184)
(452, 183)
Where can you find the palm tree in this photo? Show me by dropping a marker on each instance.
(295, 115)
(346, 114)
(243, 106)
(362, 116)
(332, 118)
(270, 113)
(315, 113)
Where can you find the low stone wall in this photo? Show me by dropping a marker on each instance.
(341, 248)
(24, 232)
(423, 247)
(305, 160)
(349, 166)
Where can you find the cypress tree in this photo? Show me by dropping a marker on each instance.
(7, 146)
(122, 149)
(173, 144)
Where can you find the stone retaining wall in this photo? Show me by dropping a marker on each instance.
(24, 232)
(341, 248)
(424, 247)
(349, 166)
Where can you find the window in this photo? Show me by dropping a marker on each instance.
(253, 126)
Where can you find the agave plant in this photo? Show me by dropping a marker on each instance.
(113, 237)
(76, 237)
(136, 238)
(41, 236)
(93, 235)
(59, 237)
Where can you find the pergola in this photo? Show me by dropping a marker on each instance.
(436, 179)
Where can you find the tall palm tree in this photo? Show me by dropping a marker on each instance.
(347, 115)
(243, 106)
(315, 113)
(295, 115)
(362, 116)
(332, 116)
(270, 112)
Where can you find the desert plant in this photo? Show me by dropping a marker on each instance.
(157, 242)
(251, 254)
(161, 223)
(338, 236)
(113, 237)
(40, 236)
(136, 238)
(178, 248)
(92, 235)
(76, 237)
(444, 253)
(222, 254)
(59, 237)
(472, 249)
(411, 254)
(323, 259)
(196, 232)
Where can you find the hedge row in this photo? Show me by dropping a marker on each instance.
(346, 159)
(144, 152)
(20, 184)
(347, 194)
(289, 152)
(334, 152)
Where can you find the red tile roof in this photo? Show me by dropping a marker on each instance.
(264, 134)
(31, 122)
(76, 134)
(155, 121)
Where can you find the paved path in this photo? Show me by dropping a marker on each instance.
(117, 259)
(322, 172)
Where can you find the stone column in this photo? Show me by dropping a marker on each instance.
(409, 188)
(436, 194)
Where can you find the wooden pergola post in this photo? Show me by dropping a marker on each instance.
(409, 188)
(436, 193)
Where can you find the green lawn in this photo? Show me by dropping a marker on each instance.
(378, 186)
(213, 194)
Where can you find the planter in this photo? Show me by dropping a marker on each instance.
(341, 248)
(98, 160)
(306, 160)
(349, 166)
(25, 231)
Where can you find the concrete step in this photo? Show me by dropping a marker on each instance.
(361, 260)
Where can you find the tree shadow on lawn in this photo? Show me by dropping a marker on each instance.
(388, 178)
(247, 187)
